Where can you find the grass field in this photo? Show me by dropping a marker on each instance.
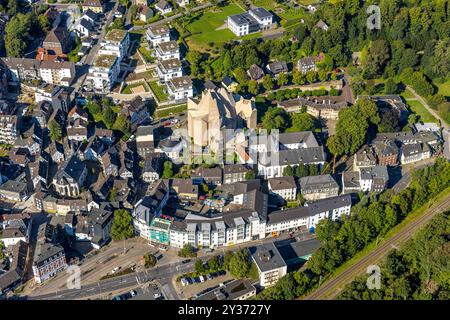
(159, 91)
(407, 95)
(420, 110)
(170, 111)
(203, 30)
(444, 88)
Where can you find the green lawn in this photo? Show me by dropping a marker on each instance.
(159, 91)
(147, 54)
(407, 95)
(444, 88)
(203, 30)
(127, 89)
(417, 108)
(169, 111)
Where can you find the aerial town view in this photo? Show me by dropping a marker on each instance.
(196, 150)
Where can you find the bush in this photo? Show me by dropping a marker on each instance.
(187, 251)
(149, 260)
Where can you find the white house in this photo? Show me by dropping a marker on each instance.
(116, 42)
(83, 28)
(180, 88)
(158, 34)
(168, 69)
(167, 50)
(285, 187)
(249, 22)
(103, 73)
(270, 263)
(164, 7)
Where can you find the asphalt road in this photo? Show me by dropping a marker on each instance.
(330, 289)
(162, 274)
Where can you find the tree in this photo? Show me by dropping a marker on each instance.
(435, 100)
(17, 30)
(282, 79)
(301, 171)
(187, 251)
(199, 267)
(55, 130)
(2, 248)
(122, 124)
(168, 170)
(149, 260)
(377, 56)
(288, 172)
(267, 82)
(239, 264)
(94, 107)
(276, 118)
(227, 63)
(250, 175)
(323, 75)
(303, 122)
(122, 226)
(311, 76)
(389, 121)
(109, 117)
(253, 87)
(298, 77)
(43, 22)
(390, 87)
(214, 263)
(241, 76)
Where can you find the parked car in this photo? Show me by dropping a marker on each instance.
(221, 273)
(133, 293)
(202, 279)
(157, 295)
(184, 282)
(209, 277)
(197, 280)
(117, 298)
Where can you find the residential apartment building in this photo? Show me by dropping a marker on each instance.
(410, 153)
(284, 187)
(8, 128)
(168, 69)
(234, 173)
(318, 187)
(167, 50)
(251, 21)
(116, 42)
(180, 88)
(104, 72)
(49, 260)
(158, 34)
(54, 72)
(270, 264)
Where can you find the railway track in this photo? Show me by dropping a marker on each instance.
(331, 289)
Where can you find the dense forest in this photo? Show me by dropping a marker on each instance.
(370, 219)
(419, 270)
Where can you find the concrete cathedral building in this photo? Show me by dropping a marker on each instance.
(216, 110)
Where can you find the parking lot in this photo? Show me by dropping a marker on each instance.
(192, 289)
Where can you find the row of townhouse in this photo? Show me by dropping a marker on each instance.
(168, 66)
(54, 72)
(231, 228)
